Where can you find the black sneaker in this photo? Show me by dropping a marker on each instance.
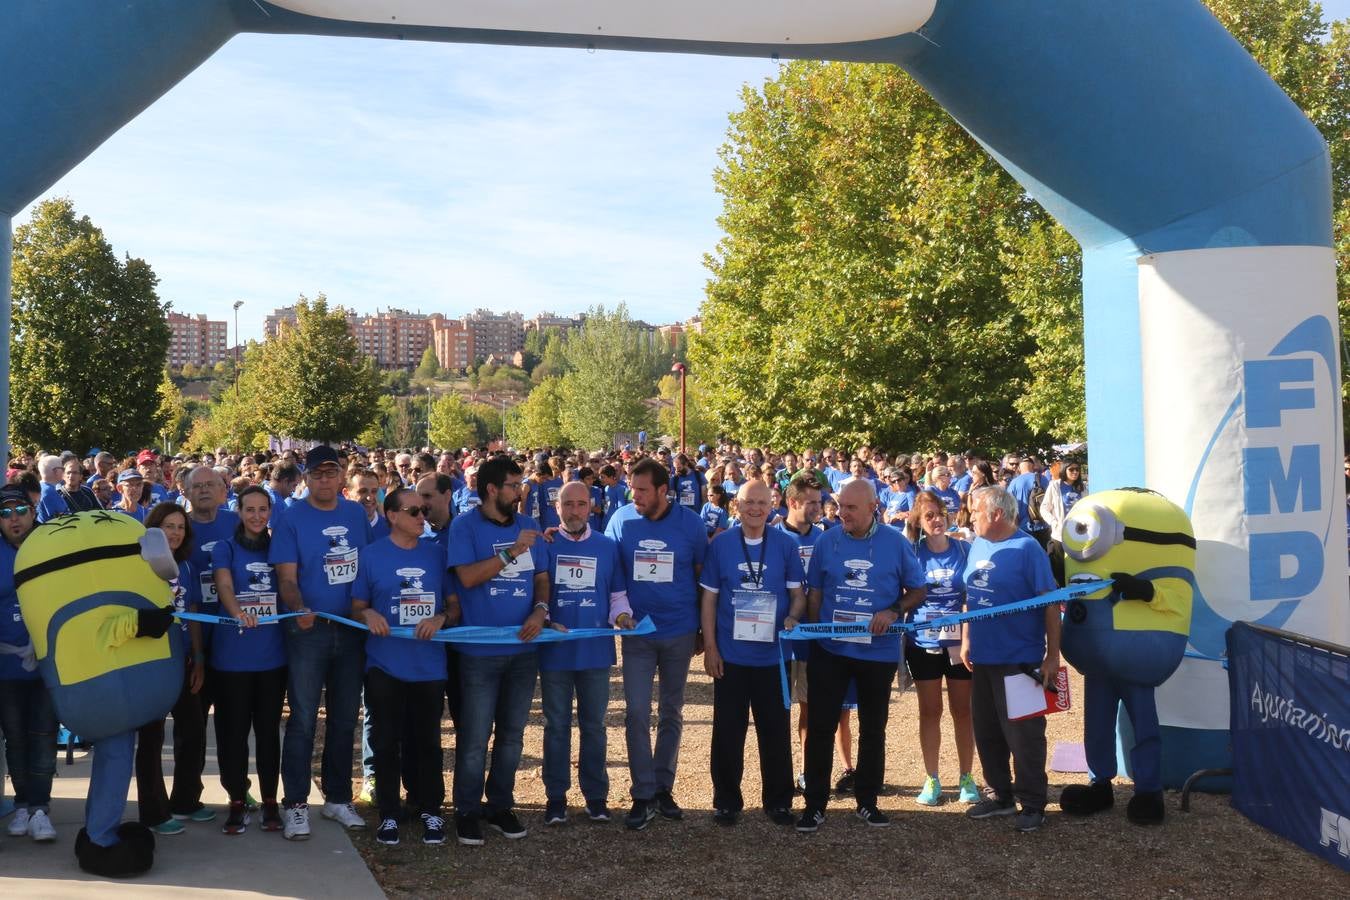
(598, 811)
(387, 833)
(667, 807)
(845, 783)
(1029, 820)
(555, 813)
(991, 806)
(433, 829)
(468, 831)
(236, 821)
(810, 821)
(725, 817)
(873, 816)
(780, 816)
(505, 821)
(640, 816)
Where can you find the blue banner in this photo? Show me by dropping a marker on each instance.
(1291, 738)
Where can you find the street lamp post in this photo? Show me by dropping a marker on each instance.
(237, 304)
(679, 369)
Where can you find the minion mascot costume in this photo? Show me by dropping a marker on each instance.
(1129, 638)
(93, 589)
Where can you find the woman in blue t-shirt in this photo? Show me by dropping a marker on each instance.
(934, 655)
(248, 663)
(714, 512)
(157, 809)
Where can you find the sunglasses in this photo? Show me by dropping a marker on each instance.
(8, 511)
(415, 510)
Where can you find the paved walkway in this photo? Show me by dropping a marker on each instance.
(201, 862)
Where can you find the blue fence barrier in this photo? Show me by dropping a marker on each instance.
(1290, 700)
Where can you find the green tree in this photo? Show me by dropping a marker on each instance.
(396, 381)
(856, 294)
(534, 422)
(699, 425)
(610, 378)
(487, 420)
(452, 423)
(88, 339)
(428, 369)
(233, 421)
(312, 382)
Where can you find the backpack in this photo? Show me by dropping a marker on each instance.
(1034, 503)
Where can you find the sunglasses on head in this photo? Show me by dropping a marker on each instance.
(21, 510)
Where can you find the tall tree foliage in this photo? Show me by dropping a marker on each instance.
(312, 382)
(534, 422)
(856, 295)
(88, 339)
(453, 424)
(612, 370)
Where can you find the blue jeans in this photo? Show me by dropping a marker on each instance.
(653, 769)
(496, 696)
(592, 693)
(28, 721)
(327, 659)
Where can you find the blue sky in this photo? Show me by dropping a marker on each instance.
(431, 177)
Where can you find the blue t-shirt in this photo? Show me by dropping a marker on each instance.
(898, 502)
(379, 528)
(548, 502)
(597, 519)
(507, 598)
(1070, 495)
(12, 629)
(186, 591)
(465, 500)
(951, 501)
(582, 575)
(961, 483)
(688, 490)
(1002, 572)
(255, 588)
(806, 545)
(616, 496)
(205, 536)
(714, 518)
(405, 586)
(1021, 488)
(946, 591)
(325, 546)
(751, 579)
(659, 558)
(858, 577)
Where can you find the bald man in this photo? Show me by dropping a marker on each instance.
(751, 587)
(587, 589)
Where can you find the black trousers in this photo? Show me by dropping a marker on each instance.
(740, 691)
(826, 685)
(154, 804)
(416, 705)
(249, 701)
(997, 738)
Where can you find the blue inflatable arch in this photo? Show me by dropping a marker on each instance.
(1199, 192)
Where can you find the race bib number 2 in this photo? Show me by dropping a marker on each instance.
(654, 565)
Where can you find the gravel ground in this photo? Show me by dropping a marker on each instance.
(1211, 851)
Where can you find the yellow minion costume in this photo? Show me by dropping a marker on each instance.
(1129, 638)
(92, 588)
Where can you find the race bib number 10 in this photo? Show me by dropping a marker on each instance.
(576, 572)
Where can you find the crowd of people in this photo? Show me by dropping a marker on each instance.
(721, 549)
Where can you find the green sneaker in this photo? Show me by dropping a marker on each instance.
(367, 794)
(969, 792)
(931, 794)
(203, 814)
(168, 826)
(250, 802)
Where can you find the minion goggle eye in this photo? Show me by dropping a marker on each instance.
(1090, 532)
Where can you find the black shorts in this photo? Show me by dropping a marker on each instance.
(932, 666)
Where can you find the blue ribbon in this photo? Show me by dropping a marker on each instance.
(825, 631)
(463, 634)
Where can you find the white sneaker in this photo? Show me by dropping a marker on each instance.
(40, 827)
(297, 822)
(344, 814)
(18, 826)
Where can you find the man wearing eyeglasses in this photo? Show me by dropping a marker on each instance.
(315, 549)
(27, 716)
(503, 581)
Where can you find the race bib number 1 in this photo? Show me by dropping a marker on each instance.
(654, 565)
(754, 614)
(847, 617)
